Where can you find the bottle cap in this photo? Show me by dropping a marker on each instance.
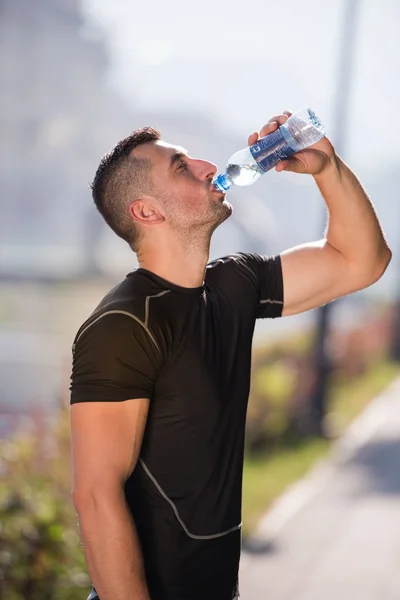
(222, 182)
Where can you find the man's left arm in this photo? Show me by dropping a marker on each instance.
(354, 253)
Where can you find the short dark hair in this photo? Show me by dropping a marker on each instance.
(119, 179)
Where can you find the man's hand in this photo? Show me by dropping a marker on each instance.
(311, 161)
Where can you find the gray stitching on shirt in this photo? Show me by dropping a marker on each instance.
(118, 312)
(128, 314)
(269, 301)
(147, 305)
(222, 261)
(178, 517)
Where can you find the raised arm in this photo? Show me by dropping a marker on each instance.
(354, 253)
(106, 440)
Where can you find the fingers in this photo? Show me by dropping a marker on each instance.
(280, 119)
(252, 138)
(275, 122)
(270, 127)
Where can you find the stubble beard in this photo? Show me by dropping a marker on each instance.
(200, 233)
(222, 211)
(197, 234)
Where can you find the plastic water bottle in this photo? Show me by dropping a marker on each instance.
(301, 130)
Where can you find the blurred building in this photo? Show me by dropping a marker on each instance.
(55, 117)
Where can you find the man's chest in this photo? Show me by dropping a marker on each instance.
(207, 360)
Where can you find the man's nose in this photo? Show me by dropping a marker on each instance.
(205, 170)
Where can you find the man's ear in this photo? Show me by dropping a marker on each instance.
(146, 210)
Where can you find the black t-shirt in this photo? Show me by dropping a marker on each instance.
(189, 351)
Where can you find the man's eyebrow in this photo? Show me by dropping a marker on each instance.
(177, 156)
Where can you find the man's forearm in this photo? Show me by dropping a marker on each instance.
(112, 549)
(353, 228)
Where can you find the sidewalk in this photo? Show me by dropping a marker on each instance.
(336, 534)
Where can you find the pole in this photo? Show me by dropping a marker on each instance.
(394, 348)
(323, 365)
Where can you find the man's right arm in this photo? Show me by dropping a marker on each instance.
(106, 439)
(115, 366)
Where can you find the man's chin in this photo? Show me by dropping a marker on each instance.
(223, 212)
(228, 206)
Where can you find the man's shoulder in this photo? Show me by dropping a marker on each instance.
(129, 294)
(225, 261)
(228, 267)
(128, 299)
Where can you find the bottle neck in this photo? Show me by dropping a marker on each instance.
(223, 182)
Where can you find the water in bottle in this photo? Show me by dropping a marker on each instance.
(300, 131)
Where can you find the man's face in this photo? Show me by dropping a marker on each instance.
(184, 187)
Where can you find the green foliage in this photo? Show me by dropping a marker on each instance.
(273, 386)
(268, 475)
(40, 555)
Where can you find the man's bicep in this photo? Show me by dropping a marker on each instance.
(106, 438)
(313, 275)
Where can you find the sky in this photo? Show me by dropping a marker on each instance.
(243, 62)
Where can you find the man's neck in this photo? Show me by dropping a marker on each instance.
(181, 264)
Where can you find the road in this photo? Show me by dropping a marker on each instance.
(336, 534)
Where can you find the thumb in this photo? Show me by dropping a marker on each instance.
(291, 164)
(282, 165)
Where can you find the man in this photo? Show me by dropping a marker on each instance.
(162, 367)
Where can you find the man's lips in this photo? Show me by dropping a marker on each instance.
(215, 191)
(212, 189)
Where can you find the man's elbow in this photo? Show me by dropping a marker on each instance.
(94, 497)
(376, 268)
(83, 500)
(382, 263)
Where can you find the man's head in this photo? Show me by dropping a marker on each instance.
(144, 186)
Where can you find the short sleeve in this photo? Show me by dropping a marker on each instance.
(114, 359)
(253, 280)
(267, 273)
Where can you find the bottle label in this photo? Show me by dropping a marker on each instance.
(270, 149)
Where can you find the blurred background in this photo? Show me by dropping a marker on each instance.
(78, 75)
